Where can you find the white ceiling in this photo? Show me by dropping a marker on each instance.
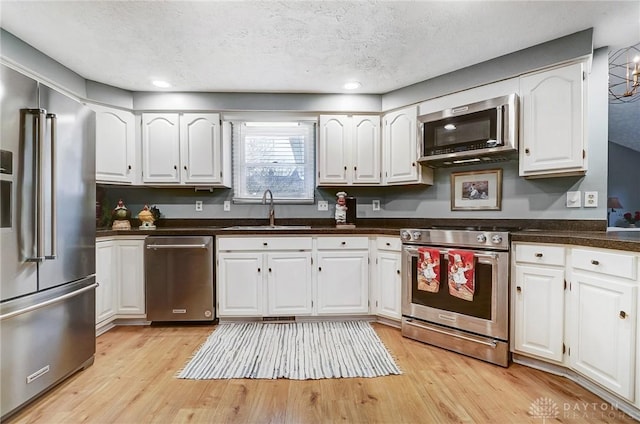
(298, 46)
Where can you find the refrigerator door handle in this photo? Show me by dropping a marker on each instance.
(39, 118)
(52, 118)
(47, 302)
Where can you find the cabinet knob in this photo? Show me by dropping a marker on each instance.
(343, 243)
(413, 164)
(398, 271)
(388, 244)
(269, 269)
(518, 289)
(595, 262)
(258, 269)
(345, 167)
(265, 244)
(355, 168)
(319, 268)
(538, 255)
(623, 314)
(129, 167)
(185, 167)
(175, 166)
(527, 151)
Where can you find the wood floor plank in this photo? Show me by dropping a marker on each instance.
(133, 380)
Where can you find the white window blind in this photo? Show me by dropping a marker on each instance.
(274, 156)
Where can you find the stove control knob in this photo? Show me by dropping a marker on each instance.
(481, 238)
(417, 235)
(405, 235)
(496, 239)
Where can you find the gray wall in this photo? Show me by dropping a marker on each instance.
(624, 180)
(544, 199)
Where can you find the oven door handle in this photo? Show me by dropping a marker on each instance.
(490, 343)
(414, 250)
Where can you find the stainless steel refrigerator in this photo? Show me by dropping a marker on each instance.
(47, 237)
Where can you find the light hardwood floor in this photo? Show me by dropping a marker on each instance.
(133, 381)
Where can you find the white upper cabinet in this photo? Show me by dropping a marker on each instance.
(349, 150)
(552, 125)
(115, 146)
(400, 149)
(185, 149)
(160, 148)
(201, 148)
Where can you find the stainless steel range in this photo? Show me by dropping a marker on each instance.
(455, 285)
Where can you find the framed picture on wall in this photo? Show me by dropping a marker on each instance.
(476, 190)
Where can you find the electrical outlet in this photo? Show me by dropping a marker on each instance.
(375, 205)
(590, 199)
(573, 199)
(226, 206)
(198, 205)
(323, 205)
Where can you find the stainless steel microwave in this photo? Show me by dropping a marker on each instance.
(485, 131)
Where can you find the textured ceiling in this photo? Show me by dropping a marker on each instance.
(298, 46)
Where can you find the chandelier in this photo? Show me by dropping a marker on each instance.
(624, 70)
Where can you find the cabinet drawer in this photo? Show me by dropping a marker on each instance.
(264, 243)
(610, 263)
(540, 254)
(343, 243)
(389, 243)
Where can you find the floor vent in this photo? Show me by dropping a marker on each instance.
(276, 319)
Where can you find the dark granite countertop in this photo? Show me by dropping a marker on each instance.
(571, 232)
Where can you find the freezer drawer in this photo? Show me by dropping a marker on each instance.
(179, 278)
(45, 337)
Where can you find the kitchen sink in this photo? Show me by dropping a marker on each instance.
(268, 227)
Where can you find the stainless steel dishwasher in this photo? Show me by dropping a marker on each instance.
(179, 278)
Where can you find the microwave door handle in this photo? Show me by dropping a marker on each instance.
(53, 119)
(499, 128)
(414, 250)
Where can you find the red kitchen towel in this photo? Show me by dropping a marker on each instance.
(429, 269)
(461, 274)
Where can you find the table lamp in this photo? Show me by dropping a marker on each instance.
(613, 203)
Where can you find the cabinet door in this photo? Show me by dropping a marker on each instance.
(389, 285)
(342, 280)
(603, 331)
(539, 311)
(552, 124)
(401, 146)
(333, 149)
(365, 149)
(130, 288)
(239, 284)
(105, 277)
(115, 145)
(160, 148)
(289, 283)
(201, 148)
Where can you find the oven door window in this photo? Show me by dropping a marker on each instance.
(461, 133)
(480, 307)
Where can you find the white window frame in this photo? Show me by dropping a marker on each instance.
(243, 129)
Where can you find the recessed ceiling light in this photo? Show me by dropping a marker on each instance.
(161, 84)
(352, 85)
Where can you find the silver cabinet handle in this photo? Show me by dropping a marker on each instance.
(177, 246)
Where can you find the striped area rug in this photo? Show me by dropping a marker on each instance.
(298, 351)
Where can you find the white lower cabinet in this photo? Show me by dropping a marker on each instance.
(105, 277)
(387, 278)
(264, 276)
(599, 312)
(342, 275)
(603, 319)
(120, 277)
(538, 301)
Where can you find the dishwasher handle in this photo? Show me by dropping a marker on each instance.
(178, 246)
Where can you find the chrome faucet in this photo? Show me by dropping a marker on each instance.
(272, 212)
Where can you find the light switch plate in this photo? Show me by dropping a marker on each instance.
(198, 205)
(323, 205)
(573, 199)
(226, 206)
(590, 199)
